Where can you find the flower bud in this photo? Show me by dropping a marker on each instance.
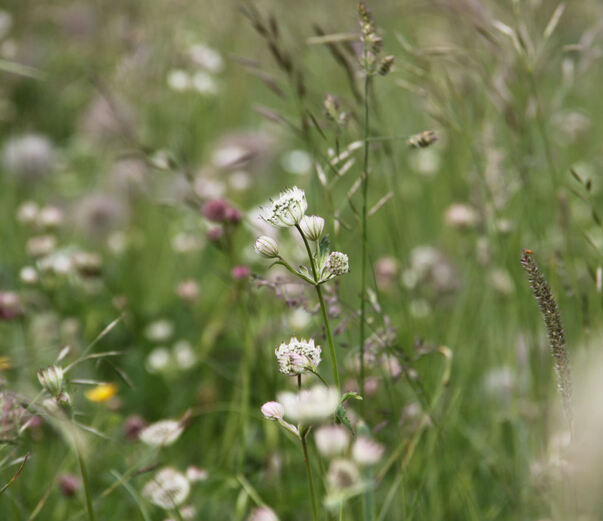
(273, 410)
(51, 379)
(312, 226)
(266, 246)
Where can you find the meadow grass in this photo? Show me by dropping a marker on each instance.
(138, 142)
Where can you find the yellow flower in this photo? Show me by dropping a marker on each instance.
(102, 392)
(4, 363)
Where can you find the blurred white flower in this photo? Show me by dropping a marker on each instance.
(159, 330)
(239, 181)
(299, 319)
(41, 245)
(461, 216)
(297, 162)
(6, 22)
(28, 212)
(332, 440)
(194, 474)
(184, 354)
(425, 161)
(186, 242)
(500, 279)
(161, 433)
(168, 489)
(178, 80)
(206, 57)
(29, 157)
(366, 451)
(287, 210)
(28, 275)
(310, 406)
(50, 217)
(343, 474)
(158, 360)
(262, 514)
(297, 356)
(204, 83)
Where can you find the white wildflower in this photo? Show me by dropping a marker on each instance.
(266, 246)
(51, 379)
(194, 474)
(168, 489)
(343, 474)
(288, 209)
(312, 226)
(262, 514)
(310, 406)
(366, 451)
(337, 264)
(273, 411)
(161, 433)
(296, 356)
(332, 440)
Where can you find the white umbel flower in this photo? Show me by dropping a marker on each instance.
(297, 356)
(312, 226)
(366, 452)
(343, 474)
(337, 264)
(161, 433)
(287, 210)
(332, 440)
(168, 489)
(310, 406)
(266, 247)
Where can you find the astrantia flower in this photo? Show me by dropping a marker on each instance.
(332, 440)
(310, 406)
(273, 410)
(262, 514)
(51, 379)
(337, 264)
(287, 210)
(312, 226)
(168, 489)
(366, 451)
(343, 474)
(161, 433)
(266, 246)
(297, 356)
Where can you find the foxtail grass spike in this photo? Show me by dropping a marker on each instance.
(552, 320)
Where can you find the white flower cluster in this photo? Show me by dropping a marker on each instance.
(161, 433)
(310, 406)
(288, 210)
(297, 356)
(337, 264)
(168, 489)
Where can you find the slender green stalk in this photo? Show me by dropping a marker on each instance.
(323, 310)
(309, 474)
(363, 268)
(84, 474)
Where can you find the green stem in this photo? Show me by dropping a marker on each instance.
(323, 309)
(84, 474)
(309, 474)
(364, 226)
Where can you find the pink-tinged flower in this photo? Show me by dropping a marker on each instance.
(273, 411)
(68, 484)
(366, 451)
(220, 211)
(262, 514)
(194, 474)
(10, 305)
(133, 426)
(332, 440)
(241, 272)
(215, 234)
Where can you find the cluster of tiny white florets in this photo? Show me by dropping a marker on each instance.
(161, 433)
(297, 356)
(288, 209)
(337, 263)
(168, 489)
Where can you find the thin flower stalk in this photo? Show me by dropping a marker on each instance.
(323, 310)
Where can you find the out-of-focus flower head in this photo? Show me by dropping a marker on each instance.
(262, 514)
(102, 392)
(241, 272)
(29, 157)
(161, 433)
(168, 489)
(332, 440)
(10, 305)
(367, 452)
(310, 406)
